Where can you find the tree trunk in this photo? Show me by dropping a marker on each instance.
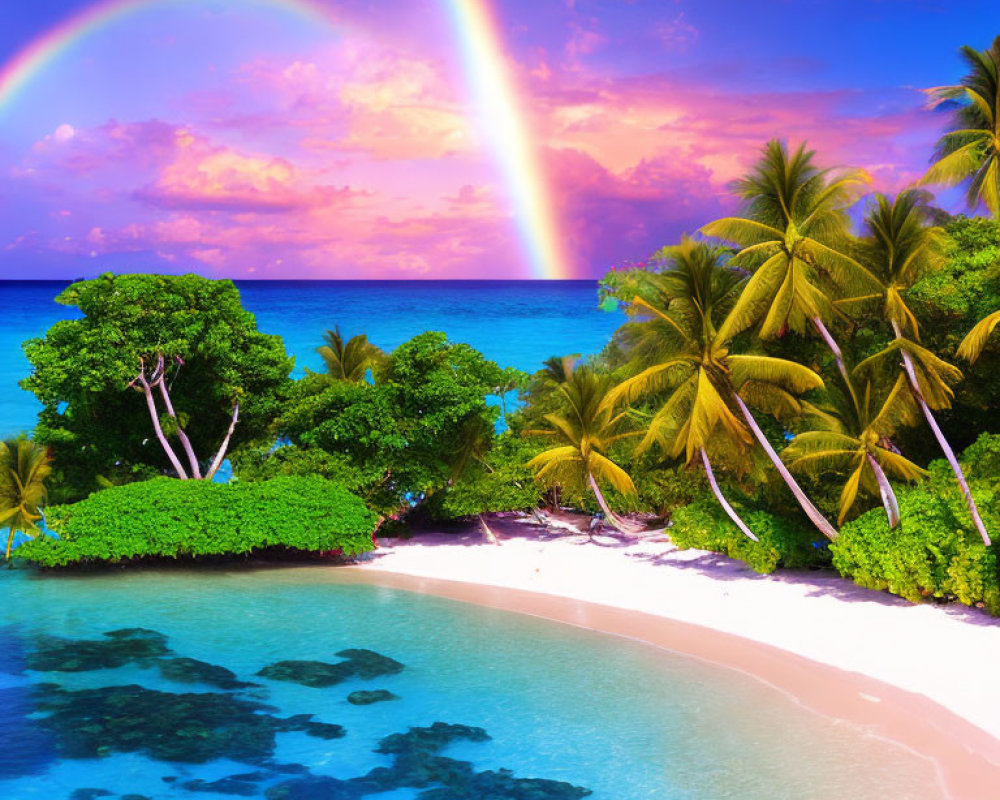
(838, 357)
(10, 543)
(155, 417)
(488, 536)
(722, 499)
(814, 514)
(217, 462)
(616, 522)
(185, 442)
(942, 441)
(885, 489)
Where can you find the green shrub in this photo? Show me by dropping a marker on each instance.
(784, 542)
(166, 517)
(935, 551)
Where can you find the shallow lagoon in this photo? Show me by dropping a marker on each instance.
(573, 707)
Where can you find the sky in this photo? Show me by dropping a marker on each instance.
(437, 139)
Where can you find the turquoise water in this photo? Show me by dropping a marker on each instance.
(571, 707)
(516, 323)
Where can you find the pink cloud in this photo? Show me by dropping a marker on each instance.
(202, 176)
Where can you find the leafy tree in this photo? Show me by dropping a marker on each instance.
(970, 152)
(185, 341)
(677, 347)
(24, 466)
(401, 437)
(851, 437)
(585, 428)
(794, 233)
(492, 476)
(350, 360)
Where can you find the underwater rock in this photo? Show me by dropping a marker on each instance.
(365, 664)
(191, 670)
(429, 740)
(417, 763)
(134, 797)
(189, 728)
(239, 785)
(55, 654)
(316, 674)
(363, 698)
(502, 785)
(89, 794)
(368, 664)
(315, 787)
(321, 730)
(282, 769)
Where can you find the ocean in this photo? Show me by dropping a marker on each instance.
(515, 323)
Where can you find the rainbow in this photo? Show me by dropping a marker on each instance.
(492, 85)
(23, 66)
(481, 44)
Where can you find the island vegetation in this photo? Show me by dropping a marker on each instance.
(811, 382)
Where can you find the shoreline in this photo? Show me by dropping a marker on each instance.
(646, 592)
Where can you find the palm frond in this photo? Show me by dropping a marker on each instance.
(974, 343)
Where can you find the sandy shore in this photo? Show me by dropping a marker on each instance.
(922, 675)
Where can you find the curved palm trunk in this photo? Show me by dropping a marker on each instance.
(942, 442)
(837, 355)
(488, 536)
(722, 498)
(834, 348)
(885, 489)
(10, 543)
(814, 514)
(616, 522)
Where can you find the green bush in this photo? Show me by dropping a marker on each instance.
(169, 518)
(784, 542)
(935, 551)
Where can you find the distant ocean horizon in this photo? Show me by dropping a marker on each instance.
(517, 323)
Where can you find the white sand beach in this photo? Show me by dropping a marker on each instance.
(877, 644)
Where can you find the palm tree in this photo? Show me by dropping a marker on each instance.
(901, 246)
(795, 230)
(970, 151)
(586, 428)
(24, 466)
(974, 343)
(558, 369)
(852, 437)
(678, 347)
(350, 360)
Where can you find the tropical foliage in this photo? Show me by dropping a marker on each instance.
(350, 360)
(169, 518)
(969, 153)
(938, 553)
(675, 346)
(396, 442)
(583, 431)
(24, 466)
(195, 356)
